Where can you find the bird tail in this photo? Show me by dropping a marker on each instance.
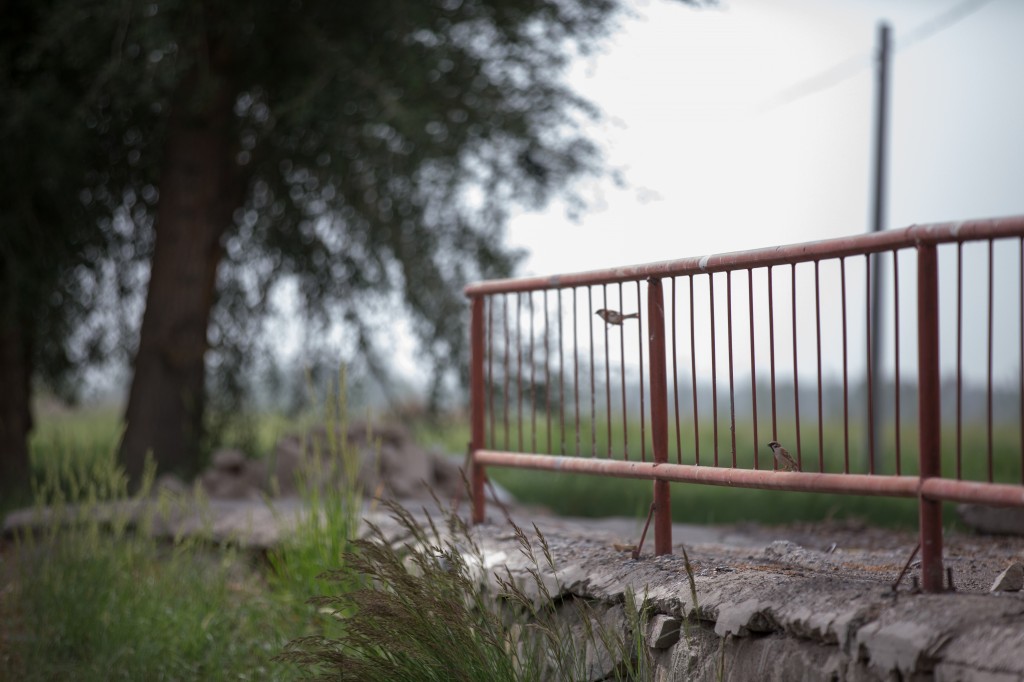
(636, 315)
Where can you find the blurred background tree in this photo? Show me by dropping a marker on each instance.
(204, 152)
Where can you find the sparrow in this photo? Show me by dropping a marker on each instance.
(614, 316)
(783, 459)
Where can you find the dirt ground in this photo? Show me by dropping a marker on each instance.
(865, 552)
(835, 548)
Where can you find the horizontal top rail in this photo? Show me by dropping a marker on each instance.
(936, 233)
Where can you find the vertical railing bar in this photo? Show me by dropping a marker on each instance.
(640, 341)
(561, 375)
(533, 382)
(675, 377)
(896, 340)
(732, 385)
(796, 375)
(959, 357)
(490, 370)
(607, 376)
(519, 367)
(929, 415)
(659, 413)
(714, 370)
(817, 323)
(693, 379)
(593, 387)
(753, 363)
(846, 382)
(547, 371)
(477, 401)
(991, 307)
(622, 371)
(576, 368)
(508, 445)
(1021, 363)
(771, 353)
(867, 371)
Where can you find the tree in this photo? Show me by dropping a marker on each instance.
(362, 148)
(58, 202)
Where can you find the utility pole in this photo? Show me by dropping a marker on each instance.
(872, 441)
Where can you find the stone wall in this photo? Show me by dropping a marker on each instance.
(780, 612)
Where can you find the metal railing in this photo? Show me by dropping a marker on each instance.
(556, 387)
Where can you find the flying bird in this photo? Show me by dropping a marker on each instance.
(614, 316)
(783, 459)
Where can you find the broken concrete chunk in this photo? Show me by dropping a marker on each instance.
(662, 631)
(229, 459)
(992, 520)
(1010, 580)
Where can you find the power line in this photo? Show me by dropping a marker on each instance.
(940, 23)
(851, 67)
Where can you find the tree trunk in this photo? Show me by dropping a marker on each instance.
(15, 405)
(199, 190)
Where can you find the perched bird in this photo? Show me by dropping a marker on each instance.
(783, 459)
(614, 316)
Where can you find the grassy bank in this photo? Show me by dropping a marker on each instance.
(91, 599)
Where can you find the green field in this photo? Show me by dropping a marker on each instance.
(86, 436)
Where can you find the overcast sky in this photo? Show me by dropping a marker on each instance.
(720, 156)
(751, 125)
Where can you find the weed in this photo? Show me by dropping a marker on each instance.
(429, 610)
(92, 599)
(329, 487)
(92, 595)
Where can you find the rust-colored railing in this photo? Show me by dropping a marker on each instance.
(554, 386)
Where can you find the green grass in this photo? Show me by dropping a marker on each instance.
(94, 600)
(123, 608)
(427, 611)
(322, 539)
(98, 600)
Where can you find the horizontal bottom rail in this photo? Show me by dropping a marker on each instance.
(851, 484)
(846, 484)
(974, 492)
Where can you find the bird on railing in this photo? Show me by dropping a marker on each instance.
(614, 316)
(782, 457)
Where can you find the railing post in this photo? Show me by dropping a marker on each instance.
(476, 403)
(930, 511)
(659, 413)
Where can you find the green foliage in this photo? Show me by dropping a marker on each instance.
(71, 119)
(94, 596)
(379, 148)
(92, 599)
(428, 611)
(330, 488)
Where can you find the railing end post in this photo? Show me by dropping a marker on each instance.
(930, 511)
